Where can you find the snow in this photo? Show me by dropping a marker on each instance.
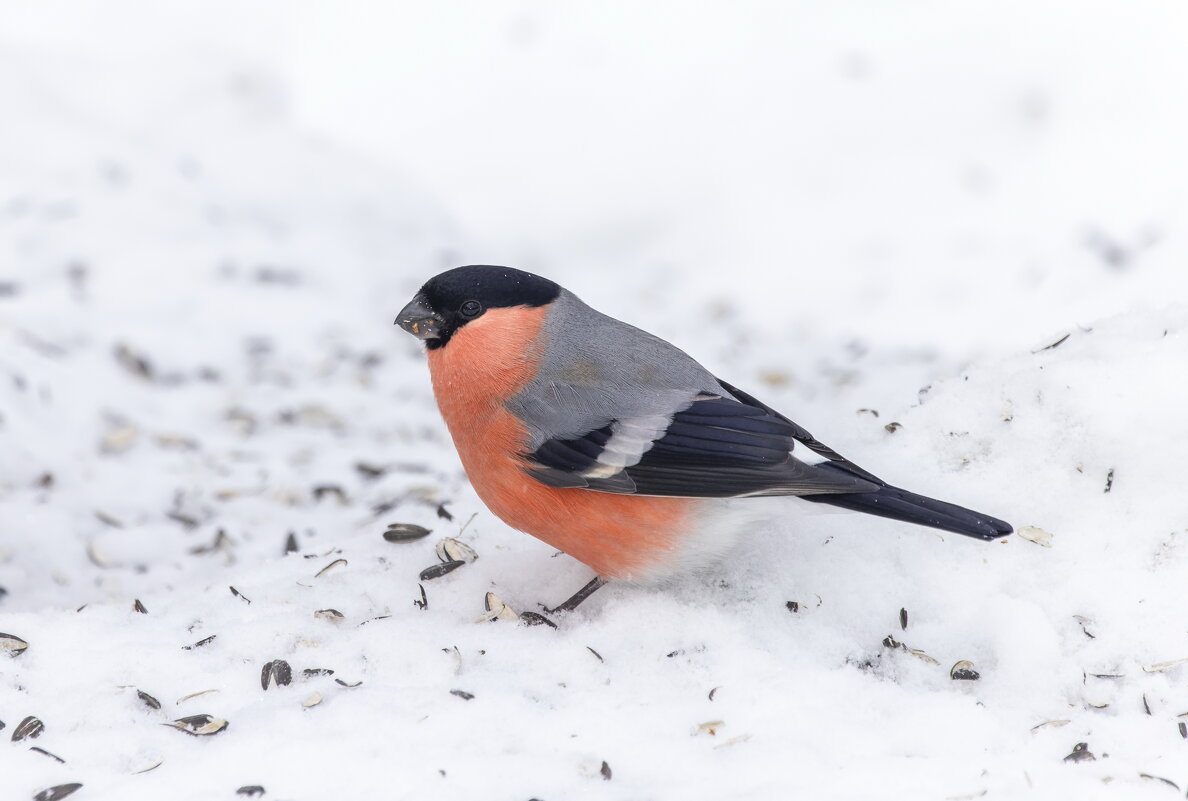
(209, 216)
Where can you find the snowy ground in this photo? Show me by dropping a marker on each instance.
(208, 218)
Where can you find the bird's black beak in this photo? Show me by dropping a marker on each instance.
(419, 320)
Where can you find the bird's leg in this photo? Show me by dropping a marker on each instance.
(579, 596)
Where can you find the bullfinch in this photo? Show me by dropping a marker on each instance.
(613, 445)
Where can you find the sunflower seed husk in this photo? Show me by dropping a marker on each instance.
(1080, 753)
(11, 644)
(200, 643)
(199, 725)
(309, 673)
(137, 606)
(536, 619)
(57, 792)
(250, 790)
(30, 728)
(605, 770)
(43, 752)
(349, 684)
(437, 571)
(149, 701)
(1055, 724)
(333, 615)
(1159, 667)
(276, 672)
(903, 619)
(153, 766)
(405, 532)
(330, 567)
(964, 671)
(465, 696)
(1036, 534)
(185, 698)
(311, 700)
(452, 550)
(291, 543)
(239, 594)
(496, 610)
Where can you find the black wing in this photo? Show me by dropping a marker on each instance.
(716, 447)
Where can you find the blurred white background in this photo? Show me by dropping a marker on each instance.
(968, 175)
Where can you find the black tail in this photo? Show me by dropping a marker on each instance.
(909, 507)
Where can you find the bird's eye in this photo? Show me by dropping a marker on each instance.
(471, 309)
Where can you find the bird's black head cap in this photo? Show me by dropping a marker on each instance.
(452, 299)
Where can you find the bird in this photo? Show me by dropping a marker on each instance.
(615, 446)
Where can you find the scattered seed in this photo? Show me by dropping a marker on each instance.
(137, 606)
(792, 606)
(872, 412)
(605, 771)
(677, 652)
(330, 567)
(312, 700)
(107, 520)
(1037, 535)
(239, 594)
(444, 513)
(1146, 706)
(405, 532)
(713, 692)
(600, 659)
(277, 672)
(1109, 480)
(372, 619)
(1080, 753)
(465, 696)
(370, 472)
(1055, 724)
(11, 644)
(903, 619)
(1104, 676)
(185, 698)
(451, 550)
(536, 619)
(291, 543)
(422, 604)
(1055, 344)
(892, 427)
(200, 643)
(250, 790)
(220, 542)
(1159, 667)
(891, 642)
(30, 728)
(437, 571)
(186, 520)
(964, 671)
(1183, 729)
(135, 363)
(348, 683)
(333, 615)
(1159, 779)
(309, 673)
(47, 753)
(322, 490)
(153, 766)
(149, 701)
(199, 725)
(496, 609)
(57, 792)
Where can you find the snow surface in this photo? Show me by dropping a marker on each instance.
(209, 215)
